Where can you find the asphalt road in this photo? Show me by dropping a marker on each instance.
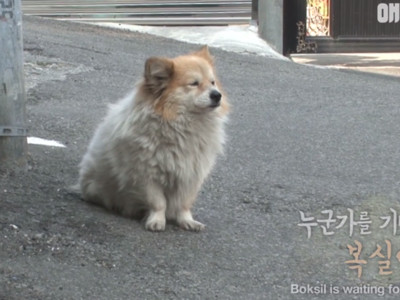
(300, 138)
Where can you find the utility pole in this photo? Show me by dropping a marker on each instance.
(13, 132)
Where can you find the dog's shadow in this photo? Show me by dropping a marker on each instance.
(71, 193)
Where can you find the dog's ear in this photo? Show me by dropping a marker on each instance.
(205, 53)
(157, 74)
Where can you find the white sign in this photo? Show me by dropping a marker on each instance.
(388, 12)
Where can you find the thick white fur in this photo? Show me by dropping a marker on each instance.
(138, 162)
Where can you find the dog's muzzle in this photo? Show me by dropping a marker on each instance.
(215, 97)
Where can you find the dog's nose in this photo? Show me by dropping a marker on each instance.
(215, 97)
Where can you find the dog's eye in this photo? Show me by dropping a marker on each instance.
(195, 83)
(213, 82)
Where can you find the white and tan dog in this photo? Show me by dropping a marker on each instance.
(156, 146)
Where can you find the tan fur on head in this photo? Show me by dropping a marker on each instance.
(164, 78)
(204, 52)
(157, 74)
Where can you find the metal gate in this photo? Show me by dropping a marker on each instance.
(142, 12)
(342, 25)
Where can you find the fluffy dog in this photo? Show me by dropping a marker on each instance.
(151, 154)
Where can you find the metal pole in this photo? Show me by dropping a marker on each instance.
(13, 132)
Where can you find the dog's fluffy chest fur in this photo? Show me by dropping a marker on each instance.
(166, 151)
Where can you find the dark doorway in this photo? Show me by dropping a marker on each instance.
(294, 11)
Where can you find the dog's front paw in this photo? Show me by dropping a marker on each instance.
(185, 220)
(191, 225)
(155, 222)
(155, 225)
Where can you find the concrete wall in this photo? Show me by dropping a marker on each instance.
(270, 23)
